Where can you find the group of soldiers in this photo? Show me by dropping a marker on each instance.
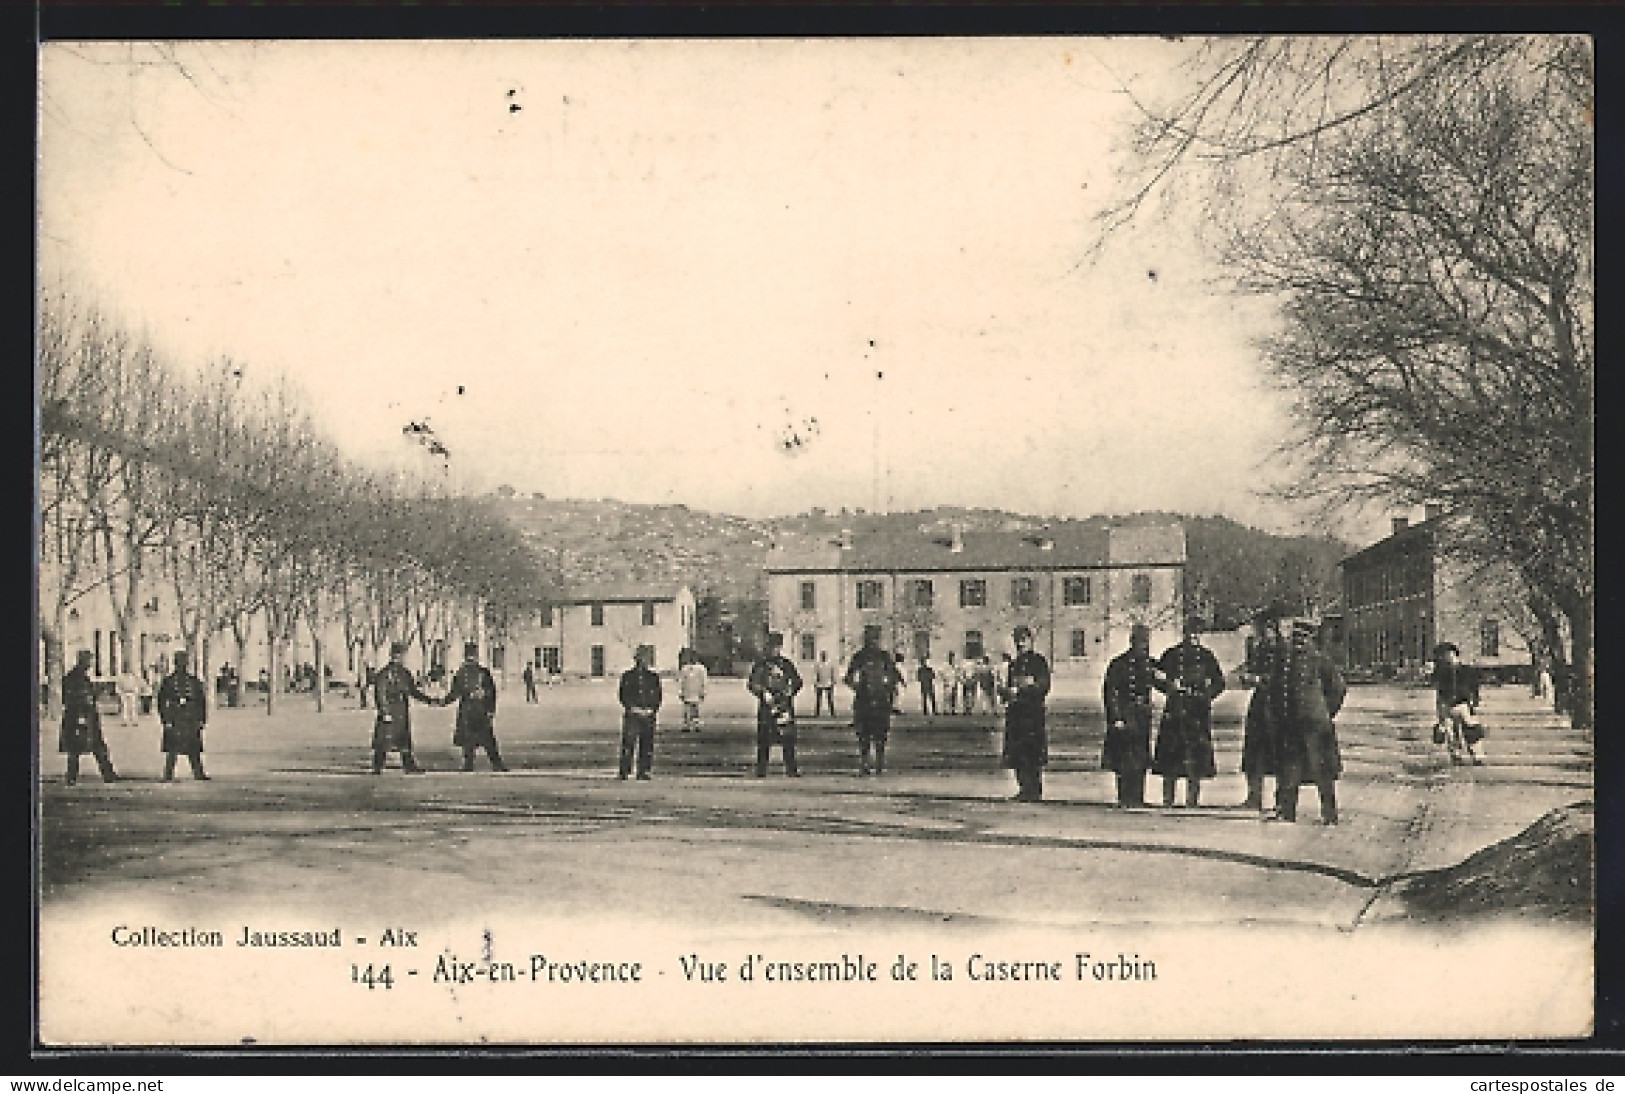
(183, 709)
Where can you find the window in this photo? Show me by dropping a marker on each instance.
(871, 594)
(922, 644)
(648, 613)
(598, 660)
(547, 616)
(809, 596)
(1022, 592)
(598, 615)
(499, 657)
(1076, 590)
(973, 593)
(552, 659)
(1140, 589)
(973, 645)
(1489, 638)
(1080, 644)
(920, 594)
(809, 646)
(537, 659)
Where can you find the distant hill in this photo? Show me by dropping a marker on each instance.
(1233, 568)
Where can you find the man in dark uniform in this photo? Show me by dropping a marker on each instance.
(393, 690)
(1262, 673)
(529, 676)
(1127, 751)
(82, 722)
(640, 696)
(872, 675)
(474, 691)
(1026, 741)
(183, 709)
(774, 681)
(1191, 676)
(1456, 695)
(1309, 696)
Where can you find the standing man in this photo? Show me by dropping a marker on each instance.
(1026, 742)
(1262, 673)
(1456, 694)
(774, 681)
(692, 678)
(640, 696)
(129, 698)
(950, 685)
(872, 676)
(183, 708)
(824, 684)
(987, 684)
(529, 676)
(927, 676)
(1191, 676)
(902, 685)
(393, 690)
(1127, 751)
(1310, 695)
(82, 722)
(474, 691)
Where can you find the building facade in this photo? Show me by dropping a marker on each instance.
(1404, 594)
(595, 630)
(1079, 589)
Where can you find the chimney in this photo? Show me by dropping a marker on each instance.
(1400, 524)
(956, 538)
(1432, 512)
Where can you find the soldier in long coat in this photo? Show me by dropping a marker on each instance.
(1127, 751)
(474, 690)
(640, 694)
(1309, 696)
(183, 708)
(393, 690)
(1191, 676)
(774, 681)
(82, 722)
(872, 676)
(1026, 740)
(1261, 673)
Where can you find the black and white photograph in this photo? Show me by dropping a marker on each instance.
(813, 540)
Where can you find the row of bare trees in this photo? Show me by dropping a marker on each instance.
(228, 500)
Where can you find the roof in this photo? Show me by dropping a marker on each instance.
(618, 592)
(1074, 547)
(1413, 533)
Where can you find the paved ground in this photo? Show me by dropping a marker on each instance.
(294, 828)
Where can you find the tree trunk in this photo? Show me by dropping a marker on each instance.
(1583, 686)
(55, 662)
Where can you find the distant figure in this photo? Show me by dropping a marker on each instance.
(1191, 676)
(393, 692)
(987, 685)
(824, 676)
(774, 681)
(183, 708)
(1026, 741)
(82, 722)
(692, 679)
(1001, 682)
(1127, 692)
(640, 696)
(948, 681)
(872, 676)
(1262, 673)
(927, 676)
(475, 692)
(129, 698)
(902, 685)
(529, 676)
(1308, 697)
(1457, 697)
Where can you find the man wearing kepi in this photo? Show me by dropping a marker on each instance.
(1026, 740)
(872, 676)
(474, 690)
(1309, 696)
(774, 681)
(1127, 751)
(1191, 676)
(1262, 674)
(82, 722)
(640, 695)
(393, 690)
(183, 709)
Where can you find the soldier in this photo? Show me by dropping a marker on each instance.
(1127, 751)
(950, 685)
(529, 676)
(640, 696)
(1308, 697)
(393, 690)
(1456, 696)
(824, 684)
(474, 691)
(183, 708)
(82, 722)
(774, 681)
(1026, 741)
(872, 676)
(1262, 674)
(1191, 676)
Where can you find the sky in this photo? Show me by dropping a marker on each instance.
(638, 269)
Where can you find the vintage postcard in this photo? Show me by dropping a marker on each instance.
(815, 540)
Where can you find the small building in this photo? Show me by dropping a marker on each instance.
(1405, 594)
(1079, 586)
(595, 629)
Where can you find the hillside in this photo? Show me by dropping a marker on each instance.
(1233, 568)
